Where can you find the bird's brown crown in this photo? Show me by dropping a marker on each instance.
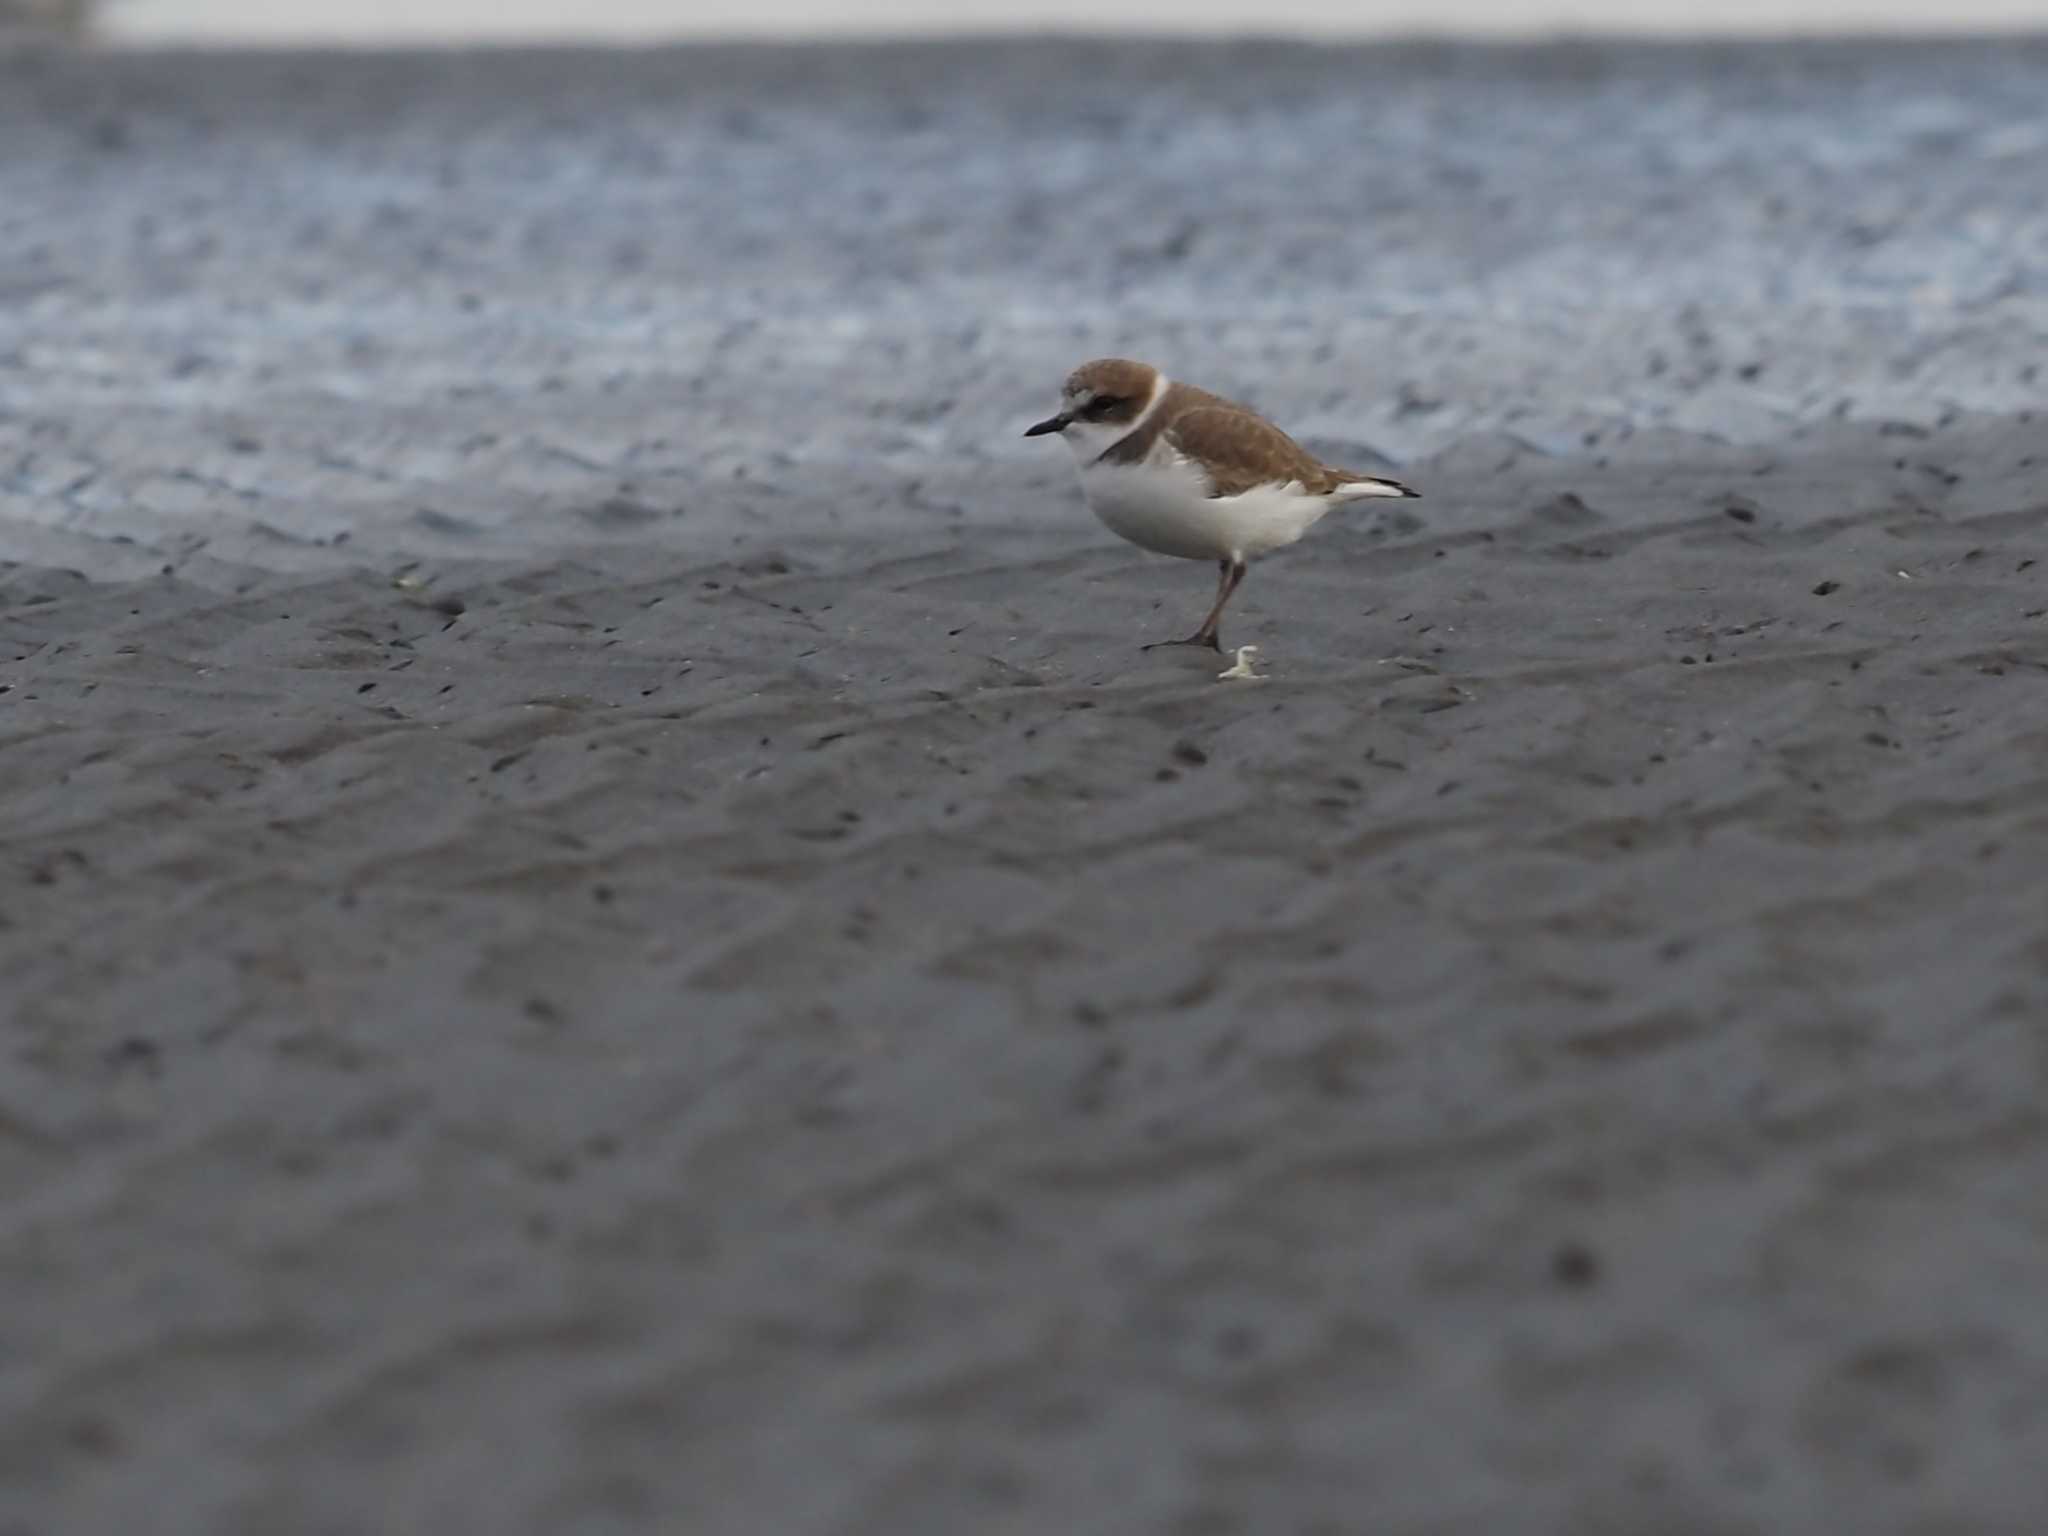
(1111, 389)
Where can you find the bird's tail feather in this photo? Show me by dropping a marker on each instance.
(1358, 487)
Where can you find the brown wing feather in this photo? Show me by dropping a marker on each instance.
(1241, 451)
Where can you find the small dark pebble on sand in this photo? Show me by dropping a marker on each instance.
(1575, 1265)
(138, 1053)
(1826, 587)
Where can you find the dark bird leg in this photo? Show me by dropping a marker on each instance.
(1228, 574)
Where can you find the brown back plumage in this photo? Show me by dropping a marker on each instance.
(1239, 448)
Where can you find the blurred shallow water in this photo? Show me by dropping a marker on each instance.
(317, 294)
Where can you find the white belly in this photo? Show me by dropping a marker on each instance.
(1163, 507)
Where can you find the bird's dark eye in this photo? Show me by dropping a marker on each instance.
(1101, 405)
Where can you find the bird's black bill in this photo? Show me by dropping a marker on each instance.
(1057, 423)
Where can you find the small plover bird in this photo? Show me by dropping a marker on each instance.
(1180, 471)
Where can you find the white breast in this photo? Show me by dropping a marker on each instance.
(1163, 505)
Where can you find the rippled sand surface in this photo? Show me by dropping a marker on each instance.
(603, 928)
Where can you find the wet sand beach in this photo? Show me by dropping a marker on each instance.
(604, 928)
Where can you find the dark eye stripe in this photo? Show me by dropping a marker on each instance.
(1101, 405)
